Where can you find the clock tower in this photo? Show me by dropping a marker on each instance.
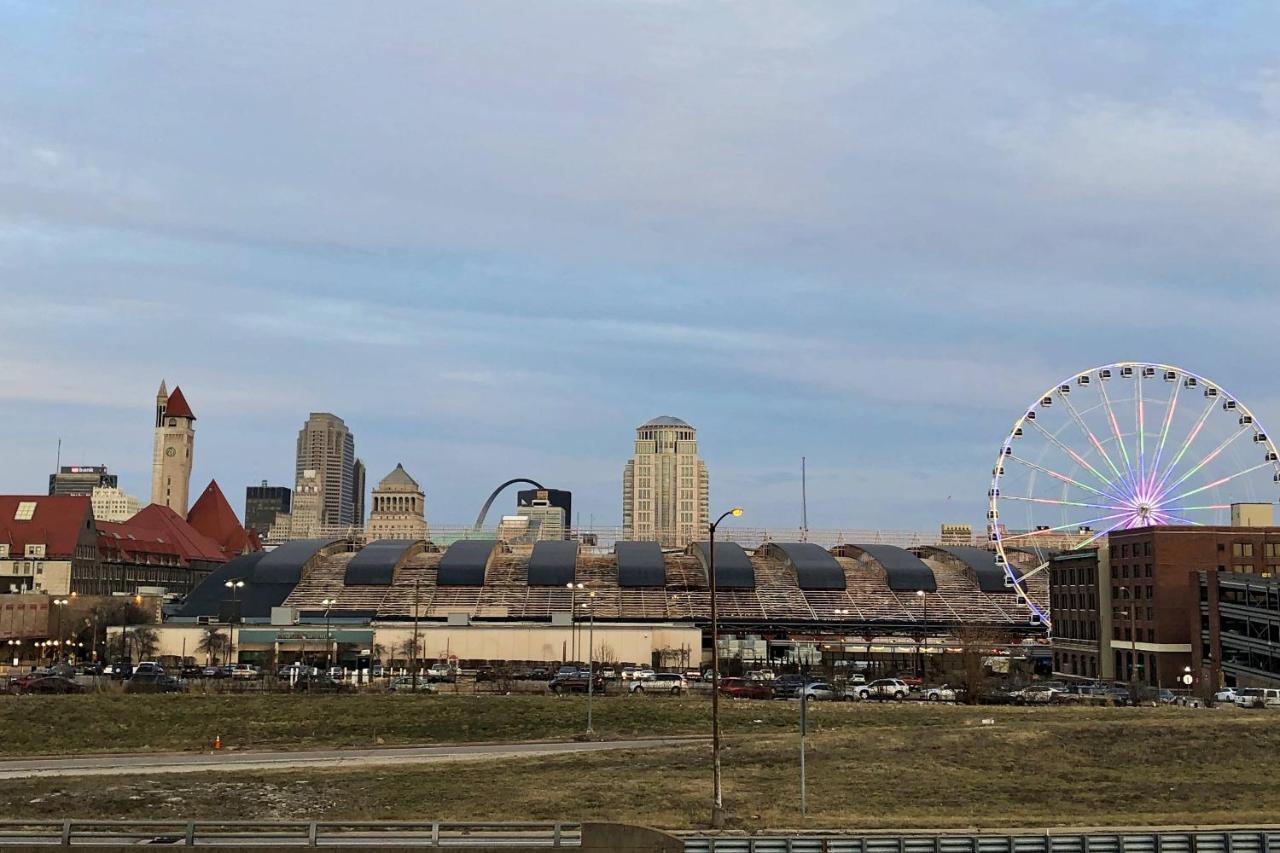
(175, 442)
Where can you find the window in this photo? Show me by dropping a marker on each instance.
(26, 509)
(1124, 550)
(35, 551)
(1270, 549)
(1147, 570)
(1242, 549)
(1124, 570)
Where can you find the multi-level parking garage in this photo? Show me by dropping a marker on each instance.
(480, 599)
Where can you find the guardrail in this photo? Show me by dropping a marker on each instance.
(76, 833)
(1235, 840)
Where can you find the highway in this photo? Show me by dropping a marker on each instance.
(237, 760)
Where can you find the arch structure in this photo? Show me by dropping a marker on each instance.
(484, 510)
(980, 565)
(376, 562)
(904, 571)
(814, 566)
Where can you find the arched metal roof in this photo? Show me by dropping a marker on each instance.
(554, 562)
(733, 566)
(465, 562)
(640, 564)
(904, 571)
(815, 568)
(207, 598)
(285, 564)
(376, 563)
(987, 574)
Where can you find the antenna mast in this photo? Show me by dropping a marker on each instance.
(804, 502)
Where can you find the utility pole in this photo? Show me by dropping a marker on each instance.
(414, 655)
(804, 503)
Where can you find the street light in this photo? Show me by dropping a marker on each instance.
(59, 603)
(1132, 613)
(14, 649)
(717, 802)
(573, 618)
(235, 585)
(591, 659)
(924, 602)
(328, 637)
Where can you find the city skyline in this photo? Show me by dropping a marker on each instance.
(864, 253)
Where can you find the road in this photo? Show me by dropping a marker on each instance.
(150, 763)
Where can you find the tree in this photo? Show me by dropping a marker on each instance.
(410, 651)
(213, 644)
(977, 643)
(144, 640)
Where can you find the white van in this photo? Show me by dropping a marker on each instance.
(1258, 697)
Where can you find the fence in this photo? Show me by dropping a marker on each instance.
(76, 833)
(1233, 840)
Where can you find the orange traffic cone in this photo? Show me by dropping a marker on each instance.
(217, 742)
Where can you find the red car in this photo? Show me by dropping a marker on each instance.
(743, 688)
(49, 684)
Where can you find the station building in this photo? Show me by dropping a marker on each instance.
(486, 601)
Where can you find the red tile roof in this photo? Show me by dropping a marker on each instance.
(177, 406)
(156, 521)
(213, 516)
(56, 523)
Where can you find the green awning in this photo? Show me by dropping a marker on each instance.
(294, 634)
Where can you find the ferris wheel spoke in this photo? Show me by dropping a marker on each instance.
(1164, 434)
(1142, 433)
(1064, 478)
(1059, 503)
(1093, 439)
(1186, 445)
(1203, 462)
(1045, 531)
(1181, 520)
(1080, 460)
(1215, 483)
(1095, 537)
(1037, 570)
(1209, 508)
(1115, 429)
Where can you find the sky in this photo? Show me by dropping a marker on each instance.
(495, 237)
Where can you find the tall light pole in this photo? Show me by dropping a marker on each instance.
(328, 637)
(573, 618)
(1133, 645)
(235, 585)
(591, 658)
(717, 802)
(924, 630)
(59, 603)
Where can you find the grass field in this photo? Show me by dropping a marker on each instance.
(869, 766)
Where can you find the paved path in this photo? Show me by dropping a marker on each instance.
(150, 763)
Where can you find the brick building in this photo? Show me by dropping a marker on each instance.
(1238, 629)
(1138, 597)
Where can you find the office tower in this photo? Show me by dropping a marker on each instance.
(398, 508)
(327, 448)
(262, 504)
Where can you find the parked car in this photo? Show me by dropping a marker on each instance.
(1039, 694)
(191, 670)
(692, 675)
(743, 688)
(50, 684)
(147, 666)
(575, 682)
(942, 693)
(1227, 696)
(644, 674)
(91, 669)
(629, 672)
(441, 673)
(338, 673)
(885, 688)
(539, 673)
(406, 684)
(609, 673)
(245, 672)
(118, 670)
(818, 691)
(296, 670)
(153, 682)
(662, 682)
(914, 682)
(317, 682)
(214, 672)
(1258, 697)
(787, 686)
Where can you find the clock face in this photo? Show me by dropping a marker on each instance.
(170, 451)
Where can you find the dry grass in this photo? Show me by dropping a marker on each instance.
(870, 766)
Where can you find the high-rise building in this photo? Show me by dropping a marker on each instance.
(327, 448)
(262, 504)
(112, 504)
(80, 480)
(548, 497)
(357, 493)
(171, 460)
(665, 488)
(303, 519)
(399, 508)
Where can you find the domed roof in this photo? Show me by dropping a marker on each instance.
(665, 420)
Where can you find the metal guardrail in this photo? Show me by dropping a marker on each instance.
(1235, 840)
(430, 834)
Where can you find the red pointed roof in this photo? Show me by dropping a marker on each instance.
(213, 516)
(177, 406)
(160, 521)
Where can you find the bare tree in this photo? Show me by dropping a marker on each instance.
(977, 643)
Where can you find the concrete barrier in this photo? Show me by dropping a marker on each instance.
(601, 837)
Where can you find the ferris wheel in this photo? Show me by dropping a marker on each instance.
(1125, 445)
